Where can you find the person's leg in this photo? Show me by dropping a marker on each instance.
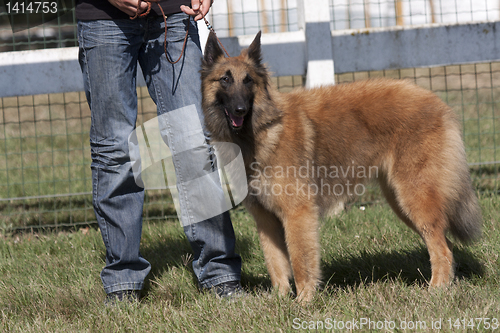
(176, 90)
(108, 58)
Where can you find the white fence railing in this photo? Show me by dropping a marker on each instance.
(314, 51)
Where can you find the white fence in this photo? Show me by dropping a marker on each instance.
(314, 50)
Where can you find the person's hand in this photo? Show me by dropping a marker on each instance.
(130, 6)
(198, 8)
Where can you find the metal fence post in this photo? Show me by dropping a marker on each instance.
(314, 19)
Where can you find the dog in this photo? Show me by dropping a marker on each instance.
(308, 150)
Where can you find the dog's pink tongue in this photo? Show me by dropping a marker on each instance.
(237, 121)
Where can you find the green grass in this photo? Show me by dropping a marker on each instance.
(373, 267)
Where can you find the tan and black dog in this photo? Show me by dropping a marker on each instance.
(307, 150)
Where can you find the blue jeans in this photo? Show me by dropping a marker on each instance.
(109, 53)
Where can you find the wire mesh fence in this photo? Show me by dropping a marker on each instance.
(473, 92)
(356, 14)
(45, 176)
(21, 25)
(238, 17)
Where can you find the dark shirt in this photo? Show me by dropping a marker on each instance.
(87, 10)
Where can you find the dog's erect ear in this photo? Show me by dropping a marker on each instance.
(254, 52)
(212, 50)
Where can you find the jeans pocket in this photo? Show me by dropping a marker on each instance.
(102, 32)
(177, 25)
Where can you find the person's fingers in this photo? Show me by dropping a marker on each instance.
(143, 7)
(130, 6)
(205, 7)
(198, 9)
(195, 4)
(188, 10)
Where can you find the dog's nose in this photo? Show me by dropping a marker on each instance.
(240, 110)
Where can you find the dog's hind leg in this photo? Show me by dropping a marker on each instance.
(390, 196)
(301, 234)
(272, 239)
(422, 210)
(440, 251)
(431, 225)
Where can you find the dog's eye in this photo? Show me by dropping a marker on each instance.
(248, 79)
(224, 79)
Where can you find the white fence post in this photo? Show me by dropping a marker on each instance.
(314, 19)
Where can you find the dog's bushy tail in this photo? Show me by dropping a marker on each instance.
(465, 217)
(463, 210)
